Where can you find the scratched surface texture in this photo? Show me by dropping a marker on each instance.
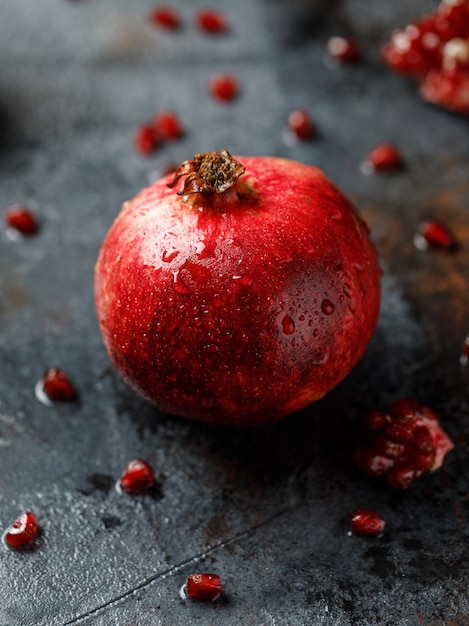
(266, 509)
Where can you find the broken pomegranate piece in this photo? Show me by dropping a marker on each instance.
(435, 51)
(403, 443)
(206, 587)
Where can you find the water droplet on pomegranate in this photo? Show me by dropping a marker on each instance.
(288, 325)
(327, 307)
(179, 285)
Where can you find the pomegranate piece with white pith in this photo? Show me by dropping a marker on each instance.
(238, 290)
(403, 443)
(435, 51)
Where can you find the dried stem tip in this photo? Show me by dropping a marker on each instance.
(208, 173)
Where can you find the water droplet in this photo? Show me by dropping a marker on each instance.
(179, 285)
(288, 325)
(327, 307)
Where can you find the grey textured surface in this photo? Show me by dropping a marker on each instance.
(266, 509)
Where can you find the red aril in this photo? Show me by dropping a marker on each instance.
(211, 21)
(367, 523)
(237, 291)
(57, 386)
(464, 357)
(167, 125)
(224, 87)
(435, 51)
(343, 49)
(434, 234)
(205, 587)
(22, 533)
(146, 139)
(165, 17)
(384, 158)
(22, 219)
(300, 124)
(137, 477)
(409, 442)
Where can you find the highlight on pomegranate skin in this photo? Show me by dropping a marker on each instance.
(23, 532)
(434, 50)
(403, 443)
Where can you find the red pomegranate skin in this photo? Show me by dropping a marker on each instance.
(242, 307)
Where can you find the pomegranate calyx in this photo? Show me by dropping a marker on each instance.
(208, 173)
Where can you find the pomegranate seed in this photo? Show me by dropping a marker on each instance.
(165, 17)
(146, 139)
(343, 49)
(447, 88)
(464, 358)
(224, 87)
(57, 386)
(434, 234)
(300, 124)
(138, 477)
(167, 125)
(383, 158)
(22, 533)
(21, 219)
(367, 523)
(403, 446)
(204, 587)
(211, 21)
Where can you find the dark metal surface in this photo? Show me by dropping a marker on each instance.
(265, 509)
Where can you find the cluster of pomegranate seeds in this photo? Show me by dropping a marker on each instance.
(301, 125)
(434, 234)
(22, 533)
(211, 21)
(384, 158)
(165, 17)
(367, 523)
(343, 49)
(435, 51)
(22, 219)
(464, 358)
(166, 126)
(205, 587)
(57, 386)
(137, 477)
(224, 87)
(403, 443)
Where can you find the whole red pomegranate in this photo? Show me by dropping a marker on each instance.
(240, 294)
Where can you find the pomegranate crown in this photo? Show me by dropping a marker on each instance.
(208, 173)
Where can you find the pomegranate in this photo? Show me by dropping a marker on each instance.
(434, 50)
(240, 294)
(403, 443)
